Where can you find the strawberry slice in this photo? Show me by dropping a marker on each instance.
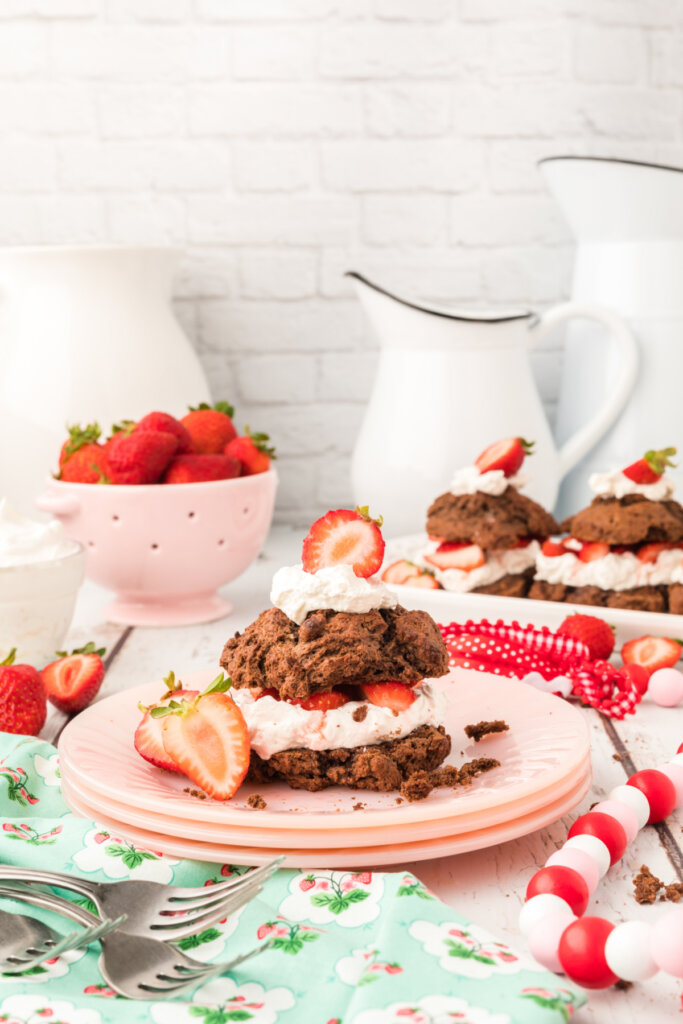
(343, 537)
(592, 551)
(457, 556)
(73, 680)
(400, 572)
(208, 740)
(148, 736)
(270, 691)
(425, 581)
(651, 652)
(649, 553)
(394, 695)
(650, 468)
(328, 700)
(507, 455)
(551, 549)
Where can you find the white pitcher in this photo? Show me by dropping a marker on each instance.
(86, 333)
(628, 222)
(448, 384)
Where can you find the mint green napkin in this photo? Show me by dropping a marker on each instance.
(349, 948)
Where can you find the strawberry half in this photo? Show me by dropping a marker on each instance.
(425, 581)
(74, 679)
(591, 631)
(650, 468)
(507, 455)
(551, 549)
(148, 736)
(400, 572)
(649, 553)
(592, 551)
(651, 652)
(324, 701)
(343, 537)
(394, 695)
(457, 556)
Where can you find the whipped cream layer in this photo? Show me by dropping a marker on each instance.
(613, 572)
(296, 592)
(276, 725)
(498, 564)
(24, 541)
(469, 480)
(615, 485)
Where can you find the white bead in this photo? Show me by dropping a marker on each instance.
(634, 799)
(627, 951)
(538, 907)
(595, 848)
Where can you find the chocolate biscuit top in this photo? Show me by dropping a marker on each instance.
(334, 648)
(632, 519)
(490, 520)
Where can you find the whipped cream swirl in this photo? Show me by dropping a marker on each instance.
(613, 572)
(468, 480)
(615, 485)
(498, 564)
(296, 592)
(24, 541)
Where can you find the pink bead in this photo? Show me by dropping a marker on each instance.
(675, 773)
(544, 940)
(580, 862)
(624, 814)
(666, 942)
(666, 687)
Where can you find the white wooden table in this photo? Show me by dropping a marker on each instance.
(487, 885)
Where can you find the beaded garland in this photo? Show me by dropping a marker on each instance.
(590, 950)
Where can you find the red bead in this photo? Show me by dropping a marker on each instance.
(582, 952)
(605, 827)
(563, 882)
(659, 791)
(680, 749)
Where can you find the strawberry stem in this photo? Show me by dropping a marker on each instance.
(225, 407)
(659, 460)
(9, 660)
(527, 445)
(260, 441)
(364, 512)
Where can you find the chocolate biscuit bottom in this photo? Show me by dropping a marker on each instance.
(381, 766)
(643, 599)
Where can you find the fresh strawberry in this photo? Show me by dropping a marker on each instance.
(210, 427)
(457, 556)
(270, 691)
(651, 652)
(551, 549)
(207, 739)
(394, 695)
(194, 469)
(88, 465)
(168, 424)
(507, 455)
(523, 542)
(74, 679)
(148, 736)
(637, 675)
(590, 552)
(591, 631)
(252, 451)
(400, 572)
(323, 701)
(649, 553)
(78, 438)
(343, 537)
(649, 469)
(23, 707)
(425, 581)
(141, 456)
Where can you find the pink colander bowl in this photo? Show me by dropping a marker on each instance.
(164, 549)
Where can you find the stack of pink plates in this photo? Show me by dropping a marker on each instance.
(544, 772)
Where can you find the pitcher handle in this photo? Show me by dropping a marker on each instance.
(587, 436)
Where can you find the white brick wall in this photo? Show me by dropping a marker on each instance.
(281, 142)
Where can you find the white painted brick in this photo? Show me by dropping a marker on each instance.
(399, 165)
(382, 51)
(146, 220)
(207, 273)
(36, 110)
(23, 49)
(631, 113)
(296, 489)
(287, 109)
(413, 10)
(503, 10)
(440, 274)
(28, 166)
(280, 327)
(667, 59)
(505, 220)
(148, 10)
(530, 50)
(274, 166)
(108, 165)
(278, 10)
(334, 484)
(651, 13)
(50, 8)
(141, 111)
(316, 428)
(271, 220)
(405, 220)
(19, 220)
(517, 110)
(71, 220)
(276, 378)
(266, 53)
(190, 166)
(347, 376)
(410, 110)
(287, 274)
(513, 163)
(208, 54)
(611, 55)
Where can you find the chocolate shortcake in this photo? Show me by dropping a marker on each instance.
(625, 550)
(482, 533)
(333, 680)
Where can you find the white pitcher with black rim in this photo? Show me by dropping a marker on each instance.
(450, 382)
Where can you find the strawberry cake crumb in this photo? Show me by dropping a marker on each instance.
(257, 802)
(480, 729)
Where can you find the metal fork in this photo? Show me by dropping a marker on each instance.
(135, 966)
(153, 909)
(26, 943)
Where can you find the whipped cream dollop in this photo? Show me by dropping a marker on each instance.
(615, 485)
(296, 592)
(498, 564)
(468, 480)
(613, 572)
(24, 541)
(276, 725)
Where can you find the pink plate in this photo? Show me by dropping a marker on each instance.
(542, 756)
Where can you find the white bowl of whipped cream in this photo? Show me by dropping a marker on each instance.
(40, 573)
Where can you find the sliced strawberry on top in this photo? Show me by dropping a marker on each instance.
(73, 680)
(343, 537)
(507, 455)
(551, 549)
(400, 572)
(323, 701)
(394, 695)
(649, 553)
(148, 736)
(457, 556)
(425, 581)
(591, 552)
(651, 652)
(650, 468)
